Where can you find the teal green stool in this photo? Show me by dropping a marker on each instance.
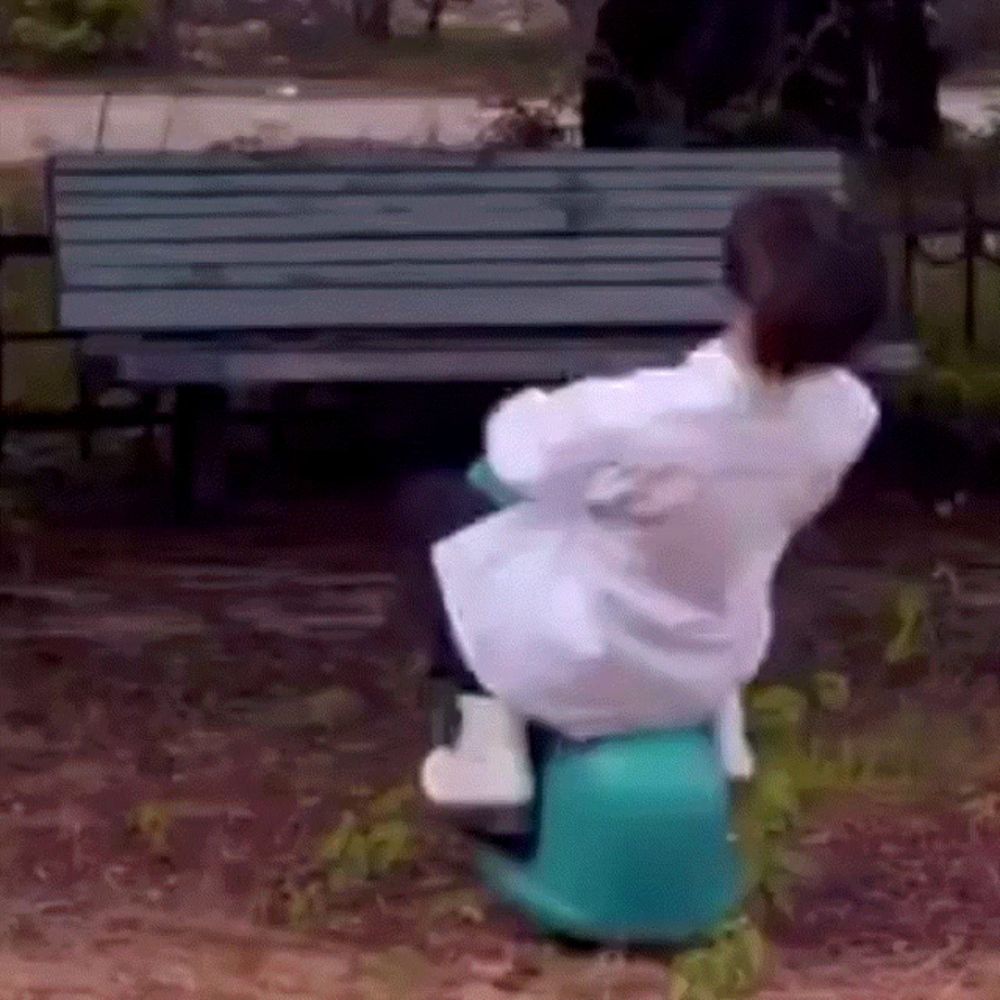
(633, 837)
(633, 842)
(482, 478)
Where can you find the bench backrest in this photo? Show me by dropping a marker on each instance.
(580, 242)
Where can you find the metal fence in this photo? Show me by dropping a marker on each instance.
(85, 417)
(935, 200)
(980, 241)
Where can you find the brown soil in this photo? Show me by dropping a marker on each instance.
(262, 678)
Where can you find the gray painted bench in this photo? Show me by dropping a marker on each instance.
(207, 273)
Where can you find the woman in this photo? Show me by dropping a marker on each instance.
(630, 589)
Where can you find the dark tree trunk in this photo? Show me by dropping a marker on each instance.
(636, 58)
(434, 11)
(582, 16)
(610, 111)
(724, 55)
(372, 19)
(826, 85)
(164, 45)
(908, 72)
(815, 58)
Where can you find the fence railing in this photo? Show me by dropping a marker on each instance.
(924, 199)
(85, 417)
(978, 239)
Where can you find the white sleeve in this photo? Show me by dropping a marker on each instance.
(535, 436)
(839, 417)
(843, 419)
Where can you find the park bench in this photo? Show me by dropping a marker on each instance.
(209, 274)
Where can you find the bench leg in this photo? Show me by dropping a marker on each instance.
(199, 449)
(282, 412)
(84, 410)
(145, 450)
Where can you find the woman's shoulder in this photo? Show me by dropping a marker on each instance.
(838, 387)
(703, 380)
(840, 411)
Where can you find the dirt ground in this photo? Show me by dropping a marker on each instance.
(243, 685)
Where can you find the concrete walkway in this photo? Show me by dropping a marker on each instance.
(34, 124)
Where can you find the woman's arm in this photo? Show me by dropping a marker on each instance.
(536, 434)
(536, 437)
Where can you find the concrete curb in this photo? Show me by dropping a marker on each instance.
(36, 124)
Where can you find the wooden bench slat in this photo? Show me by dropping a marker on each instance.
(320, 252)
(415, 359)
(277, 206)
(421, 182)
(522, 307)
(493, 360)
(742, 159)
(230, 252)
(471, 221)
(464, 275)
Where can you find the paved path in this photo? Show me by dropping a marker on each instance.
(36, 123)
(977, 108)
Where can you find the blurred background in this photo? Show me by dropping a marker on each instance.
(208, 732)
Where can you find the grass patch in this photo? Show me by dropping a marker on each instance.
(475, 61)
(936, 197)
(150, 824)
(366, 846)
(465, 61)
(819, 747)
(940, 304)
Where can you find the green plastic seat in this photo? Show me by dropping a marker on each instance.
(633, 837)
(481, 477)
(633, 842)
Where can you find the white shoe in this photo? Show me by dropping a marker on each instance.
(489, 766)
(731, 740)
(739, 762)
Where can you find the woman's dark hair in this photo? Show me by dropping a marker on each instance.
(813, 275)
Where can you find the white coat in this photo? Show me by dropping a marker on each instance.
(632, 590)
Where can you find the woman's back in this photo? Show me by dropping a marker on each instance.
(632, 590)
(686, 544)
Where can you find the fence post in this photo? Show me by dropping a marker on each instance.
(14, 245)
(972, 249)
